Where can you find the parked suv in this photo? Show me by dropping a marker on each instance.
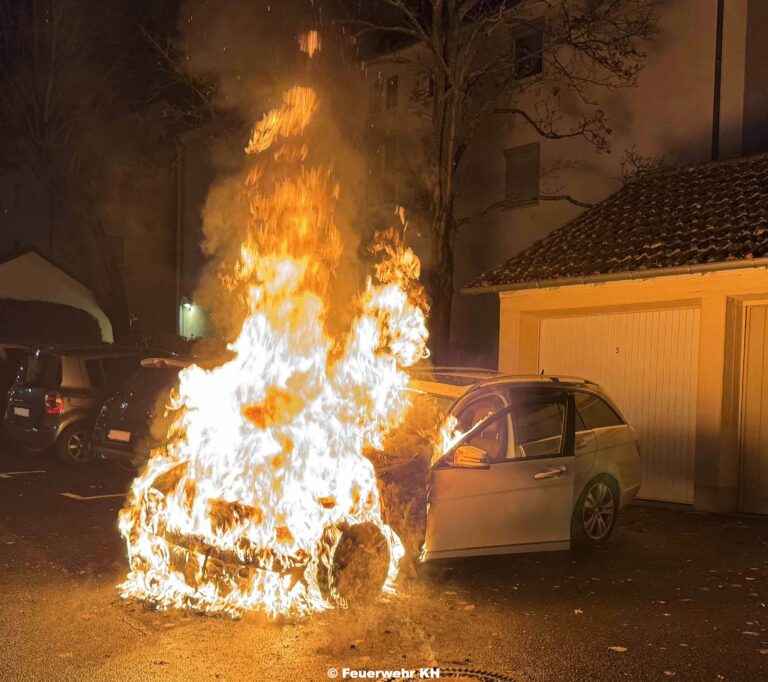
(58, 393)
(540, 463)
(132, 421)
(11, 356)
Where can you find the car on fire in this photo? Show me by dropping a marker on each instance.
(540, 463)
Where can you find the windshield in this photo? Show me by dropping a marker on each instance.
(442, 402)
(40, 370)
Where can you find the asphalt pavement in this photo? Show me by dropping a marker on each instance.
(674, 595)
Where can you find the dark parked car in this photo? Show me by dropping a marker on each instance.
(11, 357)
(134, 419)
(58, 393)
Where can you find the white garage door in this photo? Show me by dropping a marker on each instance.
(647, 363)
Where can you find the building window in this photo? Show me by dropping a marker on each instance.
(522, 173)
(391, 93)
(376, 95)
(528, 51)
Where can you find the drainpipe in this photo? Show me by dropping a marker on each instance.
(718, 81)
(179, 228)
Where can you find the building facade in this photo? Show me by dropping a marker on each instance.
(702, 94)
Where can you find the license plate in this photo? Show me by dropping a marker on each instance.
(122, 436)
(21, 411)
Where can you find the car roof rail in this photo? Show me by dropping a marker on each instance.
(533, 378)
(455, 371)
(98, 350)
(165, 362)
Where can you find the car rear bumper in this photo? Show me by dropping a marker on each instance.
(33, 436)
(113, 451)
(116, 451)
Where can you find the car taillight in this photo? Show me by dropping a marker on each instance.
(53, 403)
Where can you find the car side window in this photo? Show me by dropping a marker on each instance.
(594, 412)
(95, 373)
(492, 439)
(539, 426)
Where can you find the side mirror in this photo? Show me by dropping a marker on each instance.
(470, 457)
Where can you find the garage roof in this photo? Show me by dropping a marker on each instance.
(696, 215)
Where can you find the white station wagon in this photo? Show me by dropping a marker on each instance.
(544, 463)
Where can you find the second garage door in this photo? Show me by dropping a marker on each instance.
(647, 362)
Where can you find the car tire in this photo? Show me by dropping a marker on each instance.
(594, 516)
(355, 566)
(73, 446)
(124, 466)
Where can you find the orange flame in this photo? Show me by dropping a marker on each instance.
(309, 42)
(264, 463)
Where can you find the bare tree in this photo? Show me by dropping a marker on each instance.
(54, 96)
(87, 108)
(471, 53)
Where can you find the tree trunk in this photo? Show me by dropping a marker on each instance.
(446, 105)
(441, 287)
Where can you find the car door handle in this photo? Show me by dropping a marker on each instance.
(551, 472)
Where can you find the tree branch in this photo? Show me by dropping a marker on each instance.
(507, 203)
(592, 129)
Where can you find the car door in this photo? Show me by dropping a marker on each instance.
(516, 503)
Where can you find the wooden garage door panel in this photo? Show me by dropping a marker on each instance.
(647, 362)
(753, 477)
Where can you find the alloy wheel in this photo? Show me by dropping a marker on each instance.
(599, 510)
(79, 447)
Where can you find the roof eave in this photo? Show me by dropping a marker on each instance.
(741, 264)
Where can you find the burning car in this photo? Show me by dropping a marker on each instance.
(261, 498)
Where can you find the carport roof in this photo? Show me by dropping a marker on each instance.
(688, 217)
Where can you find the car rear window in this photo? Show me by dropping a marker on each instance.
(40, 370)
(153, 379)
(118, 370)
(594, 413)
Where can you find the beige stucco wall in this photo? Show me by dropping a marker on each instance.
(720, 296)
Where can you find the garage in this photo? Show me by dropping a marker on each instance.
(753, 478)
(659, 293)
(647, 362)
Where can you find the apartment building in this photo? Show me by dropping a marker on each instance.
(703, 94)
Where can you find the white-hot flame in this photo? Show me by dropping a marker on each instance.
(264, 460)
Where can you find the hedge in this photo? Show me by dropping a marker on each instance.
(43, 322)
